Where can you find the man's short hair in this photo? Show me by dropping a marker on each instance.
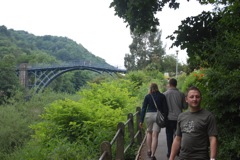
(173, 82)
(193, 88)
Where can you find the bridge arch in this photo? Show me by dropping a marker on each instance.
(42, 86)
(38, 78)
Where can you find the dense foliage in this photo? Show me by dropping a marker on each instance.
(146, 50)
(212, 42)
(17, 115)
(8, 79)
(140, 15)
(86, 123)
(28, 48)
(72, 126)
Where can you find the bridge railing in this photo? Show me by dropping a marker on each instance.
(119, 138)
(70, 64)
(67, 65)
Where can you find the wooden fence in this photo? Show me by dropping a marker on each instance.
(119, 138)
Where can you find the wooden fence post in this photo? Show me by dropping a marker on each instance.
(119, 138)
(131, 128)
(138, 117)
(106, 147)
(120, 142)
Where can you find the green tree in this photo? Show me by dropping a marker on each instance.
(8, 78)
(140, 15)
(146, 51)
(169, 65)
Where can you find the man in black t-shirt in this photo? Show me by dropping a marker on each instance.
(196, 131)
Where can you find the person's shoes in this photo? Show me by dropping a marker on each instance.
(153, 158)
(149, 153)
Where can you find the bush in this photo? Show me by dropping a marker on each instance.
(223, 99)
(16, 117)
(85, 122)
(14, 130)
(57, 149)
(181, 80)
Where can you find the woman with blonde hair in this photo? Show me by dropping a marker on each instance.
(149, 112)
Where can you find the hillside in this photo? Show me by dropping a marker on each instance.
(28, 48)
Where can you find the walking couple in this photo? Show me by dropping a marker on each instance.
(188, 134)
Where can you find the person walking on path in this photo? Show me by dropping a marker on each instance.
(196, 131)
(149, 112)
(176, 103)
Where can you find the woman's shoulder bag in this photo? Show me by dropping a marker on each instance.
(160, 118)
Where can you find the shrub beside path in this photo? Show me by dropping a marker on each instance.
(161, 152)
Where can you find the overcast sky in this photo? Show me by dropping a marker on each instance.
(89, 22)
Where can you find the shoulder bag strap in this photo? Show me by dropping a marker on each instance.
(154, 102)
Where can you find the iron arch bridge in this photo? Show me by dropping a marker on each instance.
(38, 77)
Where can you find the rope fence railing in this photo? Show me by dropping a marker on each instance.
(119, 138)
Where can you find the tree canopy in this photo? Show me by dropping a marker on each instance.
(140, 15)
(146, 51)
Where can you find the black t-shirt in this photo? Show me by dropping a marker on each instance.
(195, 128)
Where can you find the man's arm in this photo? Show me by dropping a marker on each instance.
(175, 147)
(213, 146)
